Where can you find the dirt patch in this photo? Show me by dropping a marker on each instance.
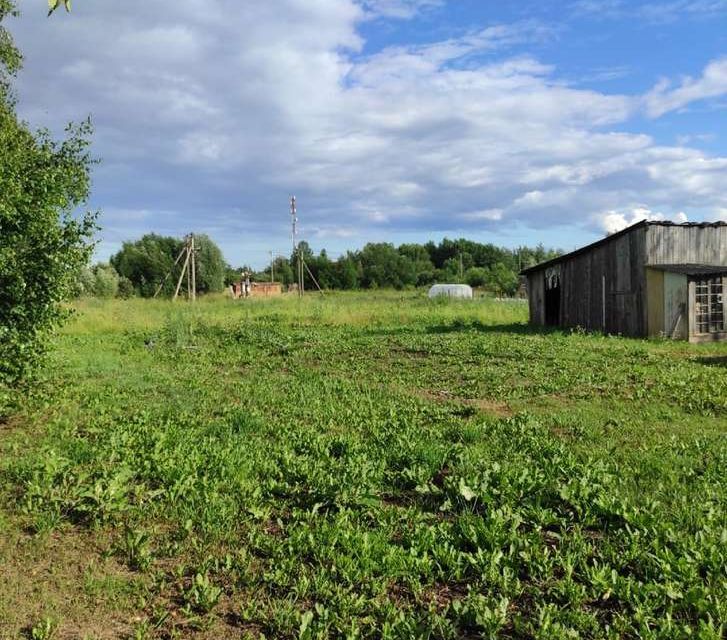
(438, 596)
(442, 595)
(492, 407)
(485, 405)
(64, 577)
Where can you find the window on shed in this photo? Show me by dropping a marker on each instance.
(709, 313)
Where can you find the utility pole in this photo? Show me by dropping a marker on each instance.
(193, 249)
(189, 269)
(461, 268)
(272, 267)
(296, 246)
(166, 277)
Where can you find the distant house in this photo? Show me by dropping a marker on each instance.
(651, 279)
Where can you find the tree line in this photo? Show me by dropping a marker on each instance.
(140, 267)
(384, 265)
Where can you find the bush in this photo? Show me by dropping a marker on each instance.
(42, 244)
(100, 281)
(476, 276)
(126, 288)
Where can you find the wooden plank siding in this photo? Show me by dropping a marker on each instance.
(536, 298)
(676, 244)
(620, 261)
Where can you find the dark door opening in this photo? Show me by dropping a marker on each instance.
(552, 306)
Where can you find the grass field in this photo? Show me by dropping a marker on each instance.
(363, 466)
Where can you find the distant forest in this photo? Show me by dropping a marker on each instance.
(140, 266)
(382, 265)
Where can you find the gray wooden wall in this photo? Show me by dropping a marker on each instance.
(686, 244)
(622, 261)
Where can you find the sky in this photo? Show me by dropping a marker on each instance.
(505, 121)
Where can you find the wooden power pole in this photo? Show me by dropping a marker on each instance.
(189, 268)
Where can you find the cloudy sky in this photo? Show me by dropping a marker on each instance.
(508, 121)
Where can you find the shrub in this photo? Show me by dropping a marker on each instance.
(43, 245)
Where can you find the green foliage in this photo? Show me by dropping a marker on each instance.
(125, 288)
(43, 245)
(54, 4)
(502, 280)
(385, 266)
(134, 547)
(99, 281)
(44, 630)
(211, 266)
(147, 261)
(477, 276)
(380, 465)
(202, 595)
(10, 57)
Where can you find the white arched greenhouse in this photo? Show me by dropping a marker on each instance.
(462, 291)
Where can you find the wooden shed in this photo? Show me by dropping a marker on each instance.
(651, 279)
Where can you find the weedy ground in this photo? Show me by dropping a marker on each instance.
(363, 466)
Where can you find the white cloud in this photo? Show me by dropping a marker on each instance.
(336, 232)
(613, 221)
(399, 8)
(678, 9)
(219, 111)
(686, 139)
(711, 84)
(658, 12)
(487, 215)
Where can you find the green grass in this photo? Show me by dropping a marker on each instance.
(379, 466)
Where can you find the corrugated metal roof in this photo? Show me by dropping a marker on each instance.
(692, 269)
(613, 236)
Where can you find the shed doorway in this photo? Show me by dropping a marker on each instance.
(552, 296)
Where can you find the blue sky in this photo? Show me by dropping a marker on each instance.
(390, 120)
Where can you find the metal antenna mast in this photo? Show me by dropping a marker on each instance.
(296, 245)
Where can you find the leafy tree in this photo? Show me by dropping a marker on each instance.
(99, 281)
(232, 275)
(451, 270)
(43, 245)
(211, 266)
(347, 273)
(384, 266)
(283, 271)
(147, 261)
(126, 288)
(502, 280)
(477, 276)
